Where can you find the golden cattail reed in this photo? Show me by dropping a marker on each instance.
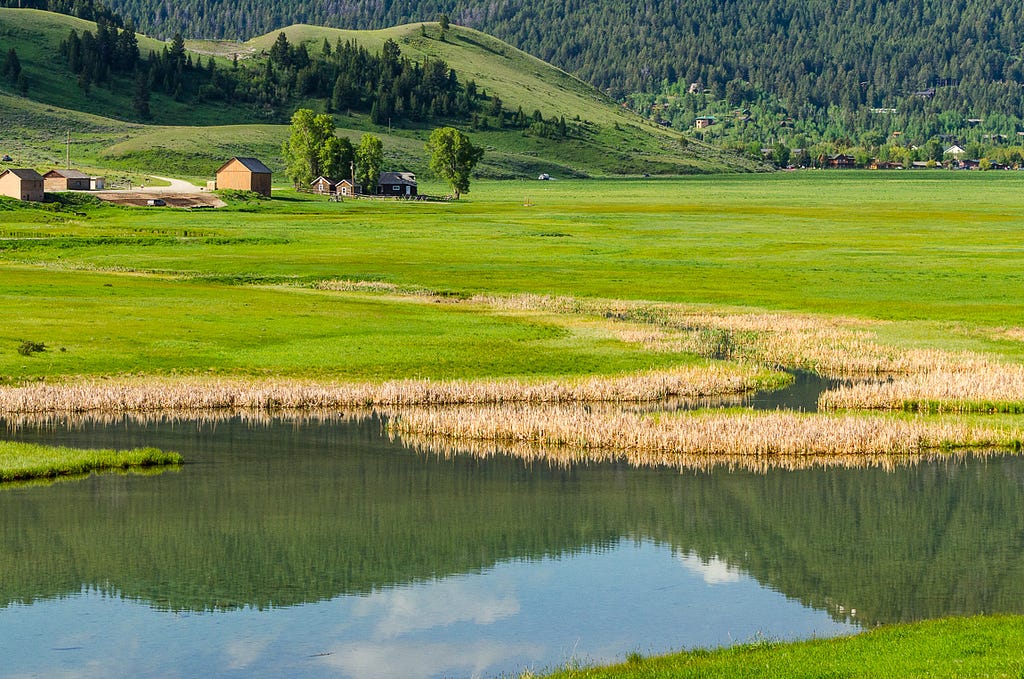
(976, 387)
(197, 393)
(660, 438)
(568, 457)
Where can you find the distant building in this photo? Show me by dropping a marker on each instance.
(841, 161)
(346, 188)
(66, 180)
(22, 183)
(955, 150)
(396, 184)
(323, 185)
(97, 183)
(244, 174)
(703, 121)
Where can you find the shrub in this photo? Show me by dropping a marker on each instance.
(27, 348)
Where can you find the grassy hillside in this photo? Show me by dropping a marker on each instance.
(192, 138)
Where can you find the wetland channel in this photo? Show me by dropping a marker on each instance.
(322, 549)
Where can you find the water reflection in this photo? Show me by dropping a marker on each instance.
(370, 549)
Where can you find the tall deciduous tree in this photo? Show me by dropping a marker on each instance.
(303, 152)
(369, 161)
(453, 157)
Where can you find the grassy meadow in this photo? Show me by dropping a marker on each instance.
(919, 261)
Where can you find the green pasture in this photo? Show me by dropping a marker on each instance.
(936, 257)
(955, 647)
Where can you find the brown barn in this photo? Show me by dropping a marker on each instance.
(396, 184)
(66, 180)
(23, 184)
(244, 174)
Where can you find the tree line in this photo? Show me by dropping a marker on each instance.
(345, 76)
(817, 59)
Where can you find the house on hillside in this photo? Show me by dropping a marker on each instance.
(956, 151)
(66, 180)
(323, 185)
(346, 188)
(244, 174)
(22, 183)
(396, 184)
(703, 122)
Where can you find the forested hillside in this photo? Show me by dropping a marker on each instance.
(825, 65)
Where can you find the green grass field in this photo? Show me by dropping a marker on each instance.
(932, 260)
(958, 647)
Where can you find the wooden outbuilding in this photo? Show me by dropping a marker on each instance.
(244, 174)
(346, 188)
(396, 184)
(323, 185)
(66, 180)
(22, 183)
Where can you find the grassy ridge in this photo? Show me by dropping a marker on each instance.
(25, 461)
(956, 647)
(193, 138)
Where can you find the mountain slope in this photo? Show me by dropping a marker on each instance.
(942, 65)
(605, 138)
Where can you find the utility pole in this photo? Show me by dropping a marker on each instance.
(68, 150)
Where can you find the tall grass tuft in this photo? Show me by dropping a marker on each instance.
(24, 461)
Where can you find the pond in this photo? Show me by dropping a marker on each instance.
(322, 549)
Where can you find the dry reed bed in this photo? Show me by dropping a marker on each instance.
(200, 418)
(660, 440)
(141, 394)
(978, 387)
(568, 457)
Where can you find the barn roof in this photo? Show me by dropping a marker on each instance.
(69, 174)
(397, 178)
(23, 173)
(252, 164)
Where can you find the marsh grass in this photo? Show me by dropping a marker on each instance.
(677, 439)
(976, 386)
(190, 394)
(24, 461)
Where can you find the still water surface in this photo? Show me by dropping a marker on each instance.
(322, 549)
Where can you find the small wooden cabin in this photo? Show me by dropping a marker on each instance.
(244, 174)
(346, 188)
(323, 185)
(22, 183)
(66, 180)
(396, 184)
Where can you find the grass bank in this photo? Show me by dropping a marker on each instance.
(953, 647)
(25, 462)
